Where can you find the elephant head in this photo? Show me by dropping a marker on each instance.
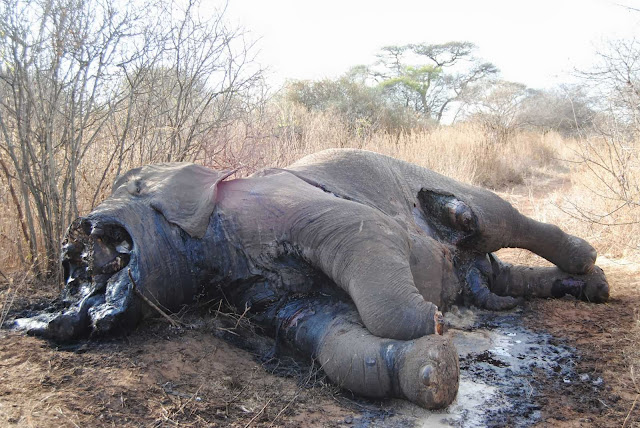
(105, 254)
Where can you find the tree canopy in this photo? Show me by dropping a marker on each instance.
(429, 77)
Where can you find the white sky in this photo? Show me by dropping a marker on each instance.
(537, 42)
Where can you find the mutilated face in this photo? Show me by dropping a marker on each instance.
(142, 239)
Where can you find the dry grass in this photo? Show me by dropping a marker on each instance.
(462, 151)
(591, 203)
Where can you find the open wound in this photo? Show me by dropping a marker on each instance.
(451, 219)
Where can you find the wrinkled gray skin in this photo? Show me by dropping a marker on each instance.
(346, 255)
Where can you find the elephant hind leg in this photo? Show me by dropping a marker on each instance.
(485, 222)
(424, 371)
(526, 281)
(479, 294)
(477, 274)
(570, 253)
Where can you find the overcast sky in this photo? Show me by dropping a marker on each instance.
(537, 42)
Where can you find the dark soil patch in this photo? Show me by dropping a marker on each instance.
(607, 339)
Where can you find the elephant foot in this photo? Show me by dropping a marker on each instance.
(526, 281)
(591, 287)
(569, 253)
(578, 257)
(429, 371)
(424, 370)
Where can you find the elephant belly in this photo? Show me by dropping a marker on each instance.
(433, 271)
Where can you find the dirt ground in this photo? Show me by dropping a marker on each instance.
(606, 338)
(157, 376)
(162, 376)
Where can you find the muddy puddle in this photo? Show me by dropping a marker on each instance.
(502, 367)
(499, 363)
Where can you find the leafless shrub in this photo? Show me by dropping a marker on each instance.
(89, 88)
(608, 162)
(497, 107)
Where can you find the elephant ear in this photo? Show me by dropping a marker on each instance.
(185, 194)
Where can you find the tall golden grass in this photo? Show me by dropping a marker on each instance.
(542, 174)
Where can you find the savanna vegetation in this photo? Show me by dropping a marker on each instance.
(89, 89)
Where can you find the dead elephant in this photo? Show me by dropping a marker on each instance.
(346, 255)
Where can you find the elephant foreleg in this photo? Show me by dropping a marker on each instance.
(526, 281)
(424, 371)
(367, 255)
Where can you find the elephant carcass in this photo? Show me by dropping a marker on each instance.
(346, 255)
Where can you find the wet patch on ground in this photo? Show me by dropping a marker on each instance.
(503, 366)
(500, 361)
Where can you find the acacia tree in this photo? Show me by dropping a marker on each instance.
(429, 77)
(498, 106)
(363, 108)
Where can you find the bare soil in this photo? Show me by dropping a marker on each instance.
(156, 376)
(607, 339)
(161, 376)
